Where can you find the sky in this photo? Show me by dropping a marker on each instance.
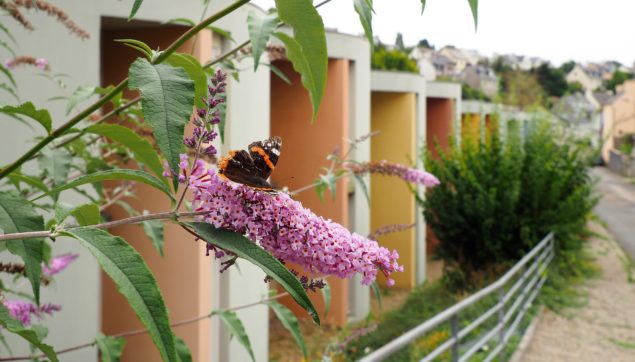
(555, 30)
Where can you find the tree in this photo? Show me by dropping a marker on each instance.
(618, 78)
(567, 67)
(425, 44)
(399, 44)
(521, 89)
(551, 79)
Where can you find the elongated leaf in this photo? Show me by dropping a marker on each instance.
(9, 90)
(423, 5)
(110, 348)
(290, 322)
(362, 185)
(16, 177)
(278, 72)
(138, 45)
(154, 230)
(167, 102)
(260, 30)
(56, 163)
(307, 51)
(113, 175)
(8, 74)
(85, 215)
(364, 9)
(139, 146)
(183, 353)
(42, 116)
(474, 9)
(326, 294)
(17, 215)
(6, 31)
(375, 287)
(80, 94)
(236, 328)
(181, 21)
(134, 280)
(135, 8)
(246, 249)
(196, 72)
(16, 327)
(8, 48)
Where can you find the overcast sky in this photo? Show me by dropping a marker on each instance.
(556, 30)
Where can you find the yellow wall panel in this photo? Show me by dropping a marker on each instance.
(394, 116)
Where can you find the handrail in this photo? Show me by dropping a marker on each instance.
(546, 250)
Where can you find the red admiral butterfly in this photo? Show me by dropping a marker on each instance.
(252, 167)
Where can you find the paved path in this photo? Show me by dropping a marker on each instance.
(617, 207)
(604, 329)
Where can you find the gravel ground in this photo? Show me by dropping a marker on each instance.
(604, 329)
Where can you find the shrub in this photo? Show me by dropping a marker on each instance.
(498, 199)
(385, 59)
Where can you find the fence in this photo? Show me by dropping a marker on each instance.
(530, 273)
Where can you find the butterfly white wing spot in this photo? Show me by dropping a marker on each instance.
(275, 152)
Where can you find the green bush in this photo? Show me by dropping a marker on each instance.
(385, 59)
(498, 199)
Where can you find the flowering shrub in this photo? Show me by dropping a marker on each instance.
(126, 145)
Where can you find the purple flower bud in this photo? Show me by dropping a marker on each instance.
(59, 263)
(202, 112)
(211, 150)
(23, 311)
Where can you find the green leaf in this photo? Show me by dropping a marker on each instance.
(85, 215)
(42, 116)
(9, 90)
(248, 250)
(17, 177)
(181, 21)
(362, 184)
(114, 175)
(154, 230)
(135, 8)
(196, 72)
(137, 45)
(375, 287)
(364, 9)
(236, 329)
(8, 74)
(290, 322)
(307, 49)
(474, 9)
(326, 294)
(141, 148)
(423, 5)
(260, 30)
(80, 94)
(8, 48)
(278, 72)
(167, 102)
(222, 32)
(134, 280)
(183, 353)
(17, 215)
(16, 327)
(6, 31)
(55, 162)
(110, 348)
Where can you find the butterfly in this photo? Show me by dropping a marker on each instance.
(252, 167)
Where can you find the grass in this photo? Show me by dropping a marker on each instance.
(623, 344)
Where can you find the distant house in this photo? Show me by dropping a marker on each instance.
(457, 56)
(480, 77)
(618, 119)
(580, 115)
(590, 79)
(520, 62)
(423, 56)
(444, 65)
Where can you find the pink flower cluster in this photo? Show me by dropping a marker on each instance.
(23, 311)
(406, 173)
(289, 231)
(39, 63)
(59, 263)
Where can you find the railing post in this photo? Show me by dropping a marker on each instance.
(454, 326)
(501, 320)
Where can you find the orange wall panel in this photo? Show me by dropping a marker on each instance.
(439, 123)
(305, 147)
(184, 274)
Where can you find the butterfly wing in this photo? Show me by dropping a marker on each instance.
(239, 167)
(265, 155)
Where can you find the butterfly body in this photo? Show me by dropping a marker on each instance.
(252, 167)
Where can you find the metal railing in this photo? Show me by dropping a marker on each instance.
(531, 272)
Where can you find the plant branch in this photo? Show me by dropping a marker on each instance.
(144, 331)
(105, 225)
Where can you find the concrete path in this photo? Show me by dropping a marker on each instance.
(617, 207)
(602, 330)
